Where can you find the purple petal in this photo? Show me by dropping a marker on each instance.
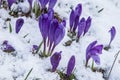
(81, 27)
(59, 34)
(76, 23)
(88, 24)
(99, 48)
(35, 47)
(53, 26)
(113, 33)
(78, 10)
(19, 24)
(71, 65)
(43, 3)
(55, 59)
(52, 3)
(72, 18)
(64, 22)
(10, 2)
(43, 25)
(96, 58)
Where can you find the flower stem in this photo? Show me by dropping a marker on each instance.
(28, 74)
(113, 64)
(92, 65)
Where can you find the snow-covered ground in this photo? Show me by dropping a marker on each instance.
(17, 67)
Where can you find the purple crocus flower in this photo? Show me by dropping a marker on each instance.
(93, 52)
(71, 65)
(52, 4)
(10, 2)
(7, 47)
(74, 17)
(19, 24)
(81, 27)
(113, 33)
(88, 24)
(55, 59)
(43, 3)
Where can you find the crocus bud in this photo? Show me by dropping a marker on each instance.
(71, 65)
(81, 27)
(19, 24)
(113, 33)
(55, 59)
(43, 3)
(88, 24)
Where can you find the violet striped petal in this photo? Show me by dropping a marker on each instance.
(19, 24)
(113, 33)
(59, 34)
(88, 24)
(71, 65)
(81, 27)
(55, 59)
(71, 20)
(52, 3)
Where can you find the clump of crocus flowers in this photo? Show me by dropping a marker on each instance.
(52, 31)
(55, 60)
(82, 25)
(112, 33)
(6, 47)
(93, 51)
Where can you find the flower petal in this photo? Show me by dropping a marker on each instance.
(19, 24)
(72, 18)
(55, 59)
(71, 65)
(52, 3)
(96, 58)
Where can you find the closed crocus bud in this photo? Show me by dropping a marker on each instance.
(43, 3)
(10, 2)
(43, 25)
(88, 24)
(113, 33)
(19, 24)
(35, 47)
(55, 59)
(52, 4)
(59, 34)
(71, 65)
(71, 19)
(81, 27)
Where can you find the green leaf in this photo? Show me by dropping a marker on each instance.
(10, 28)
(39, 47)
(28, 74)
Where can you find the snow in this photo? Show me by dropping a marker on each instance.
(18, 66)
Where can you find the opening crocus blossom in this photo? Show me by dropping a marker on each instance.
(74, 17)
(19, 24)
(93, 52)
(7, 47)
(55, 59)
(113, 33)
(71, 65)
(52, 31)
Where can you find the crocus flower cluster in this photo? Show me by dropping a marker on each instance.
(7, 47)
(82, 24)
(55, 59)
(19, 24)
(113, 33)
(52, 31)
(51, 3)
(74, 17)
(93, 52)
